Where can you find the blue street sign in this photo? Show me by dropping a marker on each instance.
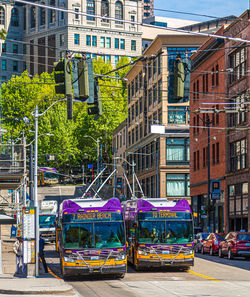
(215, 187)
(90, 166)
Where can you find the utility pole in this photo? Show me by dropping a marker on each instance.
(114, 192)
(133, 177)
(24, 169)
(35, 194)
(98, 157)
(31, 176)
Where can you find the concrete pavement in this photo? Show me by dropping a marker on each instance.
(46, 285)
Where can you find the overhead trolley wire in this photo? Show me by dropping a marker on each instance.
(133, 22)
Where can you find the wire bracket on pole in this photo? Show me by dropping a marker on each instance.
(104, 182)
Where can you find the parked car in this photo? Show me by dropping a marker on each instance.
(235, 244)
(211, 243)
(198, 241)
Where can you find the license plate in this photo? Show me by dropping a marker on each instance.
(165, 252)
(247, 244)
(94, 258)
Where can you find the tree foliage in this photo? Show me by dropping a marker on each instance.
(22, 93)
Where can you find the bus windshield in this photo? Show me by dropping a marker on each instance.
(50, 175)
(47, 220)
(93, 235)
(163, 231)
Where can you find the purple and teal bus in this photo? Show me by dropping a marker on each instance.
(91, 237)
(159, 233)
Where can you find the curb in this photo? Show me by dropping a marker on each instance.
(35, 292)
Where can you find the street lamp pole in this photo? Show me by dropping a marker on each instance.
(35, 193)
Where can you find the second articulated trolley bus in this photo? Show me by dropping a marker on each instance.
(91, 237)
(159, 233)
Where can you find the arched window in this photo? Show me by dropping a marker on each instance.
(14, 17)
(42, 15)
(32, 17)
(2, 16)
(118, 11)
(90, 9)
(52, 12)
(105, 9)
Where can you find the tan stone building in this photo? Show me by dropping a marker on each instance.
(162, 160)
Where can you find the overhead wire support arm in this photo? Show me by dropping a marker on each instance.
(93, 182)
(104, 182)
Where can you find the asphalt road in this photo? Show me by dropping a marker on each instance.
(211, 276)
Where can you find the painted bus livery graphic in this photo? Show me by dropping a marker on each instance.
(159, 233)
(91, 237)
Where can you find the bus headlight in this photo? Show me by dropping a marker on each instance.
(141, 252)
(120, 257)
(189, 252)
(68, 259)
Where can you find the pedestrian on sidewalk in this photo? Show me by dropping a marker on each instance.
(18, 250)
(41, 254)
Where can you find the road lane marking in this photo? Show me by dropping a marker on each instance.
(53, 274)
(204, 276)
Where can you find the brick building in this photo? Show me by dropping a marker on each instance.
(207, 95)
(238, 141)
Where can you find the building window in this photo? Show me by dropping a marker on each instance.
(177, 114)
(108, 42)
(3, 65)
(133, 45)
(177, 150)
(3, 47)
(4, 78)
(61, 39)
(2, 16)
(116, 59)
(238, 155)
(102, 44)
(76, 14)
(159, 64)
(94, 41)
(77, 39)
(88, 40)
(237, 62)
(159, 91)
(32, 17)
(15, 66)
(105, 10)
(24, 18)
(108, 59)
(14, 17)
(42, 15)
(117, 43)
(90, 9)
(118, 11)
(15, 49)
(24, 66)
(52, 12)
(240, 116)
(177, 185)
(122, 44)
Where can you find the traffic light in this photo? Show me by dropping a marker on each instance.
(97, 108)
(119, 182)
(62, 74)
(63, 82)
(83, 80)
(179, 78)
(47, 156)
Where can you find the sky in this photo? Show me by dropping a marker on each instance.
(217, 8)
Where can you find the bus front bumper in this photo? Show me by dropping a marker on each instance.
(87, 270)
(165, 262)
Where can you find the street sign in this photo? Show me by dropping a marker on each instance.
(215, 196)
(90, 166)
(215, 187)
(28, 222)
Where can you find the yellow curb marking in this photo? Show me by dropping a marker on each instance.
(50, 272)
(204, 276)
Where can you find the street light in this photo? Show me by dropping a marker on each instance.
(37, 115)
(133, 173)
(97, 149)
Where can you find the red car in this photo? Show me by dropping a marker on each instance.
(211, 243)
(235, 244)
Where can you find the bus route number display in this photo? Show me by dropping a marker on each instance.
(164, 215)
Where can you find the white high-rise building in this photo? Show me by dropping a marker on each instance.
(48, 33)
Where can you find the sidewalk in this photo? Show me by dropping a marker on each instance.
(45, 284)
